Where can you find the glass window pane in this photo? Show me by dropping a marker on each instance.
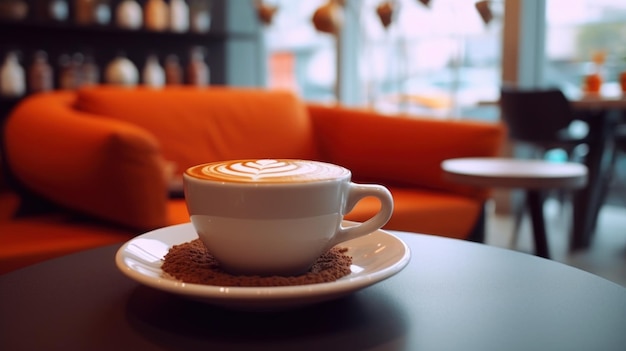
(439, 59)
(588, 29)
(300, 58)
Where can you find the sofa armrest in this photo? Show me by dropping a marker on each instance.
(402, 150)
(101, 167)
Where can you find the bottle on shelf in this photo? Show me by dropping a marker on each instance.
(156, 15)
(199, 16)
(90, 72)
(129, 15)
(13, 10)
(66, 78)
(153, 74)
(121, 71)
(85, 12)
(12, 78)
(179, 16)
(69, 71)
(51, 10)
(173, 70)
(40, 74)
(59, 10)
(102, 12)
(198, 73)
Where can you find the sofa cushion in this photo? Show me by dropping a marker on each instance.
(426, 212)
(195, 125)
(403, 151)
(106, 168)
(415, 210)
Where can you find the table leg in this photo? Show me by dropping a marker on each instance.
(534, 201)
(587, 201)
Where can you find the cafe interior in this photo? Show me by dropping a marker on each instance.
(103, 108)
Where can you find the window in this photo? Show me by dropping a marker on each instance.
(300, 58)
(439, 60)
(573, 37)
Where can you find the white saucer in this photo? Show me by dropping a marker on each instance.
(375, 257)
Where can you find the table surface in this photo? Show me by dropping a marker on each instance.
(452, 295)
(600, 111)
(584, 101)
(593, 101)
(515, 173)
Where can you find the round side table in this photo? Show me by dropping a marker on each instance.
(533, 176)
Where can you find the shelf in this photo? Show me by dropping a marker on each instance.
(105, 42)
(15, 30)
(233, 40)
(61, 28)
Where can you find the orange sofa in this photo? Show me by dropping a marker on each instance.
(108, 160)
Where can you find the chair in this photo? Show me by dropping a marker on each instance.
(541, 118)
(615, 192)
(544, 120)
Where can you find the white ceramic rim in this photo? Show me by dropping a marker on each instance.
(394, 252)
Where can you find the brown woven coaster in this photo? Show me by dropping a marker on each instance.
(191, 263)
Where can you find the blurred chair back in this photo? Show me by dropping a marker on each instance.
(540, 118)
(536, 116)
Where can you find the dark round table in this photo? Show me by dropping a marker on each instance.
(535, 176)
(453, 295)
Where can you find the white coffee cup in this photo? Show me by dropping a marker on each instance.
(276, 217)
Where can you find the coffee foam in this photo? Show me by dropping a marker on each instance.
(268, 171)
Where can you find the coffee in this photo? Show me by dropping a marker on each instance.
(276, 217)
(268, 171)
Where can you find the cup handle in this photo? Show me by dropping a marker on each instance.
(357, 192)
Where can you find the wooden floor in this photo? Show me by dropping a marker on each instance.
(606, 257)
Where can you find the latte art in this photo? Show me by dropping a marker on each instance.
(268, 171)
